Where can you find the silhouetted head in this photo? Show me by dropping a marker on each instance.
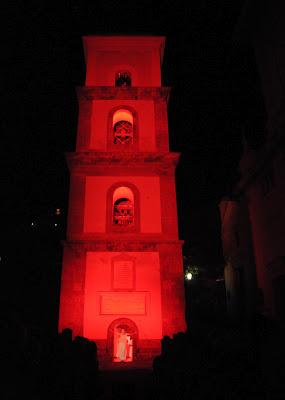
(66, 334)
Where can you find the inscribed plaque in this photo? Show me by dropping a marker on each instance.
(123, 303)
(123, 275)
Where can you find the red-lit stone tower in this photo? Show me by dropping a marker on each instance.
(122, 263)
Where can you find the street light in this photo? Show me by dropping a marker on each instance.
(188, 276)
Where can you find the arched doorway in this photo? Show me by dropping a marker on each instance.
(122, 340)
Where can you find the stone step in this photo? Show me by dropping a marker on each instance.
(143, 364)
(126, 383)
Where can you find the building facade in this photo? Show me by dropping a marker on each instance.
(122, 263)
(257, 210)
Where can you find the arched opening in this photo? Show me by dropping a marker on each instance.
(122, 126)
(123, 206)
(123, 78)
(122, 340)
(123, 123)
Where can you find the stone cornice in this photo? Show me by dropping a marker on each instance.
(93, 161)
(123, 93)
(119, 245)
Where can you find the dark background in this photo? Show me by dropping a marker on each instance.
(215, 103)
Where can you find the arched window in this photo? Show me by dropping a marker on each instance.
(123, 207)
(123, 78)
(122, 128)
(123, 122)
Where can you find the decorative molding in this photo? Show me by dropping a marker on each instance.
(123, 93)
(94, 162)
(119, 245)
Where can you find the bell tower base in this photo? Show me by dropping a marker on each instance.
(139, 280)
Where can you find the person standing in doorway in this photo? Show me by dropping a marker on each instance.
(122, 345)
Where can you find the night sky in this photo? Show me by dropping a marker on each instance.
(215, 100)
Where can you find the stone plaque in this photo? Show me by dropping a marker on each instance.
(123, 275)
(127, 303)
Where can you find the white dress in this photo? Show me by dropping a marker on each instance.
(122, 347)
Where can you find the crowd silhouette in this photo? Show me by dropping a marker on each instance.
(223, 361)
(220, 360)
(49, 367)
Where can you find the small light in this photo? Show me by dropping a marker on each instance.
(57, 211)
(32, 224)
(189, 276)
(55, 224)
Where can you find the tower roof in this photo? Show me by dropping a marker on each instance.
(120, 42)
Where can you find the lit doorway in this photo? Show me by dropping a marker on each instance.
(122, 340)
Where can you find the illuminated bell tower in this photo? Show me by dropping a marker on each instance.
(122, 262)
